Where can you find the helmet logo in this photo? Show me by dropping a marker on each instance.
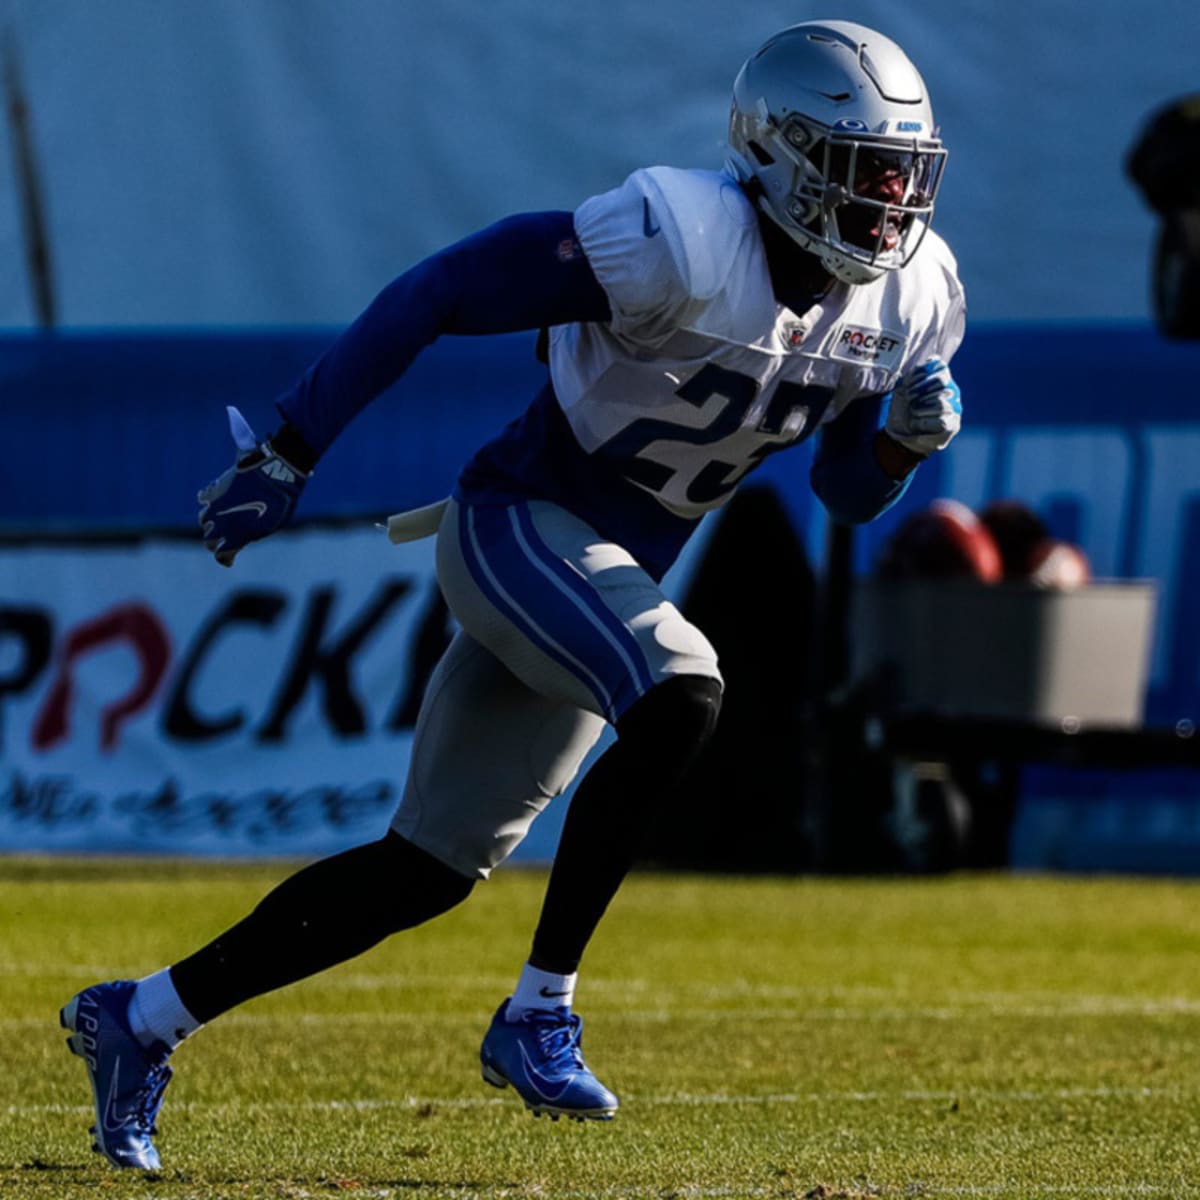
(851, 125)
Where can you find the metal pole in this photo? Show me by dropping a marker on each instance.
(829, 664)
(29, 191)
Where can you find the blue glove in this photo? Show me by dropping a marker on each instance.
(925, 411)
(252, 499)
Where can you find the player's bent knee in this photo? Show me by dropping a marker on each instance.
(679, 715)
(419, 885)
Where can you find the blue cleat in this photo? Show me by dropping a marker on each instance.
(540, 1055)
(128, 1079)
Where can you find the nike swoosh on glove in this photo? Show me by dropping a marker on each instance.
(925, 411)
(252, 499)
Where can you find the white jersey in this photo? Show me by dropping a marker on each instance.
(701, 373)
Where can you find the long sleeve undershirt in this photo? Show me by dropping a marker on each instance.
(525, 272)
(846, 475)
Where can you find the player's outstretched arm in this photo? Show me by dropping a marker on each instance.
(525, 272)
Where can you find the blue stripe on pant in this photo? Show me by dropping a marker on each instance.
(553, 605)
(572, 581)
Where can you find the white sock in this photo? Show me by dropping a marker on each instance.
(156, 1013)
(541, 989)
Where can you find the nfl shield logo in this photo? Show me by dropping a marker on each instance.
(794, 334)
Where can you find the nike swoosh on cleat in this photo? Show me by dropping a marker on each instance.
(254, 506)
(108, 1125)
(540, 1083)
(648, 226)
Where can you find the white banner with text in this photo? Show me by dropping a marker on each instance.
(151, 701)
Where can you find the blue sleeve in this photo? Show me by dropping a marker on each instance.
(525, 272)
(845, 474)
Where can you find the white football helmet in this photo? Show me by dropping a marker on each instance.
(832, 134)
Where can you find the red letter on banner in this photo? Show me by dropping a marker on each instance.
(141, 629)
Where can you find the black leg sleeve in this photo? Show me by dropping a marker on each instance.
(613, 809)
(326, 913)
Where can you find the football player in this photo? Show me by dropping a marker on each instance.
(698, 322)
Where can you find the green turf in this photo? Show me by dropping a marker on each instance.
(992, 1037)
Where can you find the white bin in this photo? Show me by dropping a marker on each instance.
(1007, 651)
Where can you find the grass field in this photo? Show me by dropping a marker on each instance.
(969, 1036)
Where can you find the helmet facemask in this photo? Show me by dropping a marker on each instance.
(868, 200)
